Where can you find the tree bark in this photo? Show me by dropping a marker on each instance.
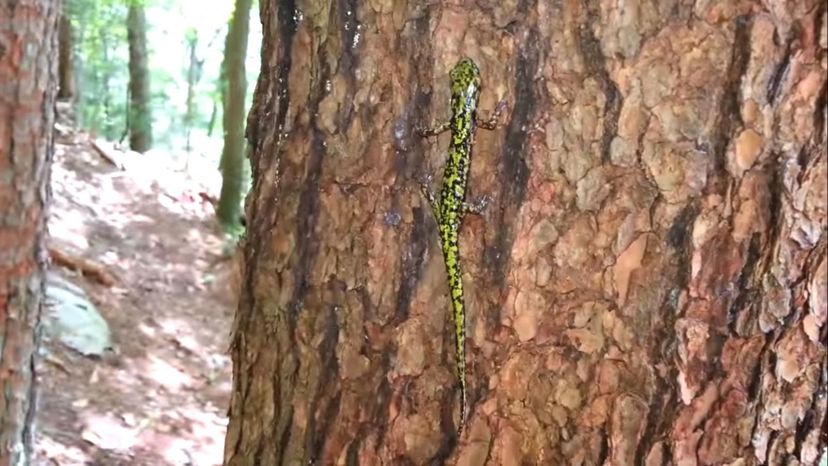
(140, 110)
(66, 58)
(28, 73)
(646, 287)
(233, 97)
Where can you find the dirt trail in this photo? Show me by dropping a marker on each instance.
(160, 397)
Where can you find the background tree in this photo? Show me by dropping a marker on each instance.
(184, 71)
(102, 65)
(234, 85)
(66, 58)
(647, 286)
(28, 72)
(193, 75)
(140, 105)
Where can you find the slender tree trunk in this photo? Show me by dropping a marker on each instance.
(213, 114)
(233, 97)
(66, 58)
(28, 73)
(647, 287)
(193, 76)
(140, 111)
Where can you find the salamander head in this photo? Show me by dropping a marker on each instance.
(465, 78)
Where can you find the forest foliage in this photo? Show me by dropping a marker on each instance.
(186, 50)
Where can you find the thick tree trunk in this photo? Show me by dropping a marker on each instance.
(233, 96)
(66, 58)
(648, 285)
(28, 84)
(140, 112)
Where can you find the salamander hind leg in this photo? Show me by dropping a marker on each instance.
(425, 188)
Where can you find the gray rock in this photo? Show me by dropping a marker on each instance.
(72, 319)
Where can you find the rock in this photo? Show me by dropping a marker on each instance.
(73, 320)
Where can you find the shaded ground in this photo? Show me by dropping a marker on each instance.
(160, 397)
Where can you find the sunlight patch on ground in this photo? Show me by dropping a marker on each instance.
(49, 448)
(108, 432)
(148, 330)
(165, 374)
(190, 434)
(182, 337)
(110, 258)
(175, 327)
(200, 444)
(207, 435)
(196, 236)
(126, 220)
(128, 377)
(69, 226)
(156, 376)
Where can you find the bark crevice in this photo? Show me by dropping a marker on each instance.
(348, 60)
(515, 173)
(596, 65)
(729, 116)
(411, 264)
(328, 382)
(747, 296)
(663, 401)
(287, 30)
(780, 73)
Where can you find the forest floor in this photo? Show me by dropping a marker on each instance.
(160, 395)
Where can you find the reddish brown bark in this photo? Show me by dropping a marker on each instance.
(647, 287)
(28, 77)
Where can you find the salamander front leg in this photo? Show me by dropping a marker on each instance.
(426, 131)
(476, 207)
(491, 123)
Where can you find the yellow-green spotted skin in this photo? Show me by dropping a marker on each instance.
(451, 206)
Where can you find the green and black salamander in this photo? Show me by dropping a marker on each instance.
(451, 205)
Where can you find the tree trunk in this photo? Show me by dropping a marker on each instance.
(140, 113)
(193, 75)
(233, 96)
(66, 59)
(646, 287)
(28, 73)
